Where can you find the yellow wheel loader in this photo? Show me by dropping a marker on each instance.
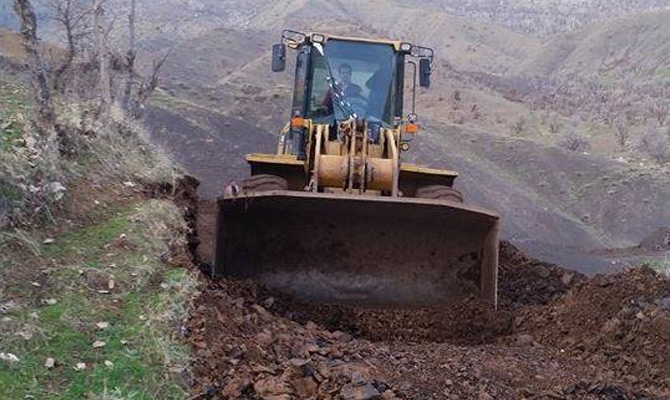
(337, 216)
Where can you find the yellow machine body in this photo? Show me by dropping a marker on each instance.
(351, 222)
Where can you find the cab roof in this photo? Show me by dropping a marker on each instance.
(395, 43)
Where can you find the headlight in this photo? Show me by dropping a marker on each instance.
(318, 38)
(406, 47)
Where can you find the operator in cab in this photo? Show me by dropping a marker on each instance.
(350, 89)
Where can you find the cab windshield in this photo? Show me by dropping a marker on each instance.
(363, 72)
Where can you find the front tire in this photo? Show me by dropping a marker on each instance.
(263, 183)
(439, 192)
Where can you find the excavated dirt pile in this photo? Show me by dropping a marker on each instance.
(242, 350)
(524, 281)
(620, 321)
(556, 335)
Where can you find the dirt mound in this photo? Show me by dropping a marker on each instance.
(250, 344)
(244, 351)
(468, 322)
(584, 390)
(523, 281)
(619, 321)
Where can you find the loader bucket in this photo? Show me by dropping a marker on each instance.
(362, 250)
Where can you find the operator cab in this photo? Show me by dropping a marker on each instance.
(374, 72)
(339, 78)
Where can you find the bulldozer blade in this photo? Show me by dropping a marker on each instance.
(362, 250)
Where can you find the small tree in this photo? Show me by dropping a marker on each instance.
(554, 123)
(518, 126)
(573, 140)
(105, 84)
(46, 118)
(72, 16)
(655, 144)
(148, 86)
(622, 131)
(131, 54)
(660, 109)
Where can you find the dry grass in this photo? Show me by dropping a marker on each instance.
(35, 178)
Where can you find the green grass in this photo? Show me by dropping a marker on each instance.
(663, 74)
(142, 315)
(7, 192)
(88, 241)
(659, 264)
(14, 106)
(609, 80)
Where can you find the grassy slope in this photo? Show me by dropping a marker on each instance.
(112, 260)
(142, 356)
(14, 105)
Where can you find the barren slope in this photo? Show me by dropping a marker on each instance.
(616, 47)
(558, 205)
(555, 203)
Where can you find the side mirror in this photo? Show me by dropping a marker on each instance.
(278, 57)
(425, 70)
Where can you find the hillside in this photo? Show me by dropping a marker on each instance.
(217, 87)
(107, 239)
(91, 238)
(469, 44)
(556, 204)
(573, 211)
(541, 18)
(631, 46)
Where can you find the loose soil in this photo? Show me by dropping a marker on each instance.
(556, 335)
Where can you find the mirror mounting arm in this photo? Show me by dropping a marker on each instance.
(413, 86)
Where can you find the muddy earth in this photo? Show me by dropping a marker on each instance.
(556, 335)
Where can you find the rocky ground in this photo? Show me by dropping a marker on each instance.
(556, 335)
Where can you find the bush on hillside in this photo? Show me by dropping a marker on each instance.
(574, 140)
(655, 143)
(35, 177)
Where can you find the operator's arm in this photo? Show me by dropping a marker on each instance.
(327, 102)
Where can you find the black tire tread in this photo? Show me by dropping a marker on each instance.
(439, 192)
(263, 183)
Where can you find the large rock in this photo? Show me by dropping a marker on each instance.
(360, 392)
(272, 386)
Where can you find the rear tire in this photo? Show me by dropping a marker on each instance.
(263, 183)
(439, 192)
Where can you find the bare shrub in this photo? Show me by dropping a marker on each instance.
(656, 144)
(622, 131)
(660, 109)
(72, 16)
(574, 140)
(517, 127)
(35, 179)
(554, 123)
(475, 111)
